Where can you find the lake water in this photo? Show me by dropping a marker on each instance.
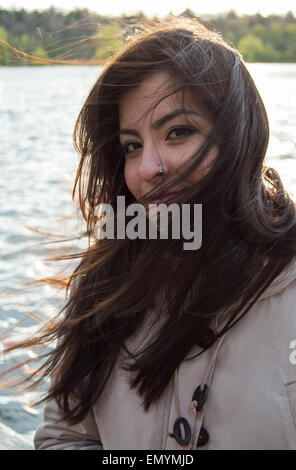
(37, 167)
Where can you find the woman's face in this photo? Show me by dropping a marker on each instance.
(168, 134)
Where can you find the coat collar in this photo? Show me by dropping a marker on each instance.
(281, 281)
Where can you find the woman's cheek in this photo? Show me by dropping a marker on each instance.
(206, 165)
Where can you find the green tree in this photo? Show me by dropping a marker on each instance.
(251, 47)
(276, 37)
(230, 37)
(259, 31)
(254, 50)
(25, 42)
(188, 13)
(290, 39)
(109, 40)
(39, 52)
(3, 47)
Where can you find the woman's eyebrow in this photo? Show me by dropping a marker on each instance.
(161, 121)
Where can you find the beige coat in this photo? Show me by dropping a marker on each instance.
(252, 396)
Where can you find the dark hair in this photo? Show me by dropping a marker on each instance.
(248, 224)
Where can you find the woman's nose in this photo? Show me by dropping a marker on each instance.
(151, 163)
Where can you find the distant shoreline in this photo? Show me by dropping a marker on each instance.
(35, 37)
(102, 64)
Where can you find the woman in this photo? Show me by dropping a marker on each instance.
(163, 347)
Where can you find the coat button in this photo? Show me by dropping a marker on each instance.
(200, 396)
(203, 437)
(207, 339)
(177, 433)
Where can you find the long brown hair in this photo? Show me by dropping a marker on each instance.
(248, 224)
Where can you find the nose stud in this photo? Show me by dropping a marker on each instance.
(160, 169)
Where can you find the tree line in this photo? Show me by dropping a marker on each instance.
(80, 36)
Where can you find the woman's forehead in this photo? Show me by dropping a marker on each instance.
(146, 94)
(155, 96)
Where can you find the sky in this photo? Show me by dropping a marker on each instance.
(160, 8)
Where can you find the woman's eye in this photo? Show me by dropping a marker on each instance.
(180, 133)
(130, 147)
